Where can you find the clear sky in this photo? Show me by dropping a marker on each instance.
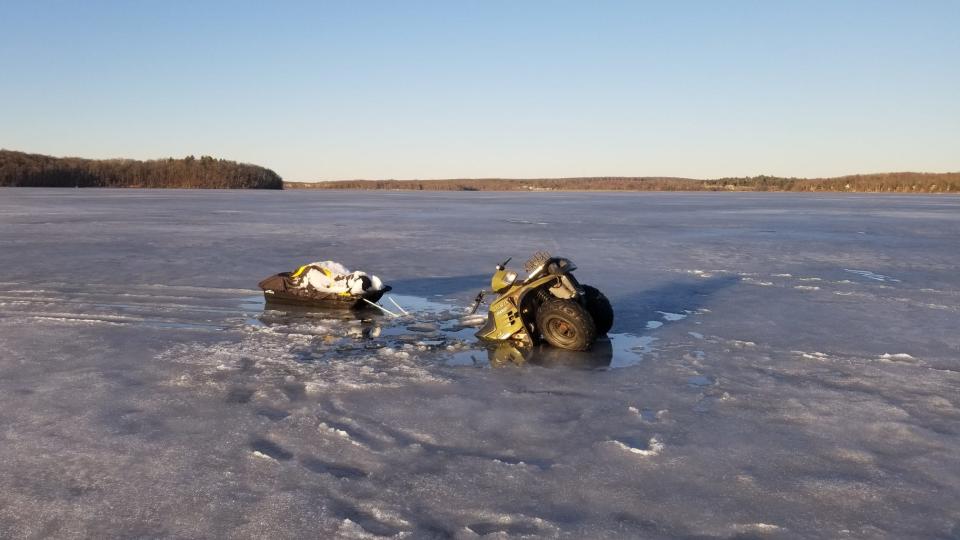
(412, 89)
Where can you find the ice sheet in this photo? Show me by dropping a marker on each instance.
(145, 391)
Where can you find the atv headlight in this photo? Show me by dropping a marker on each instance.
(510, 277)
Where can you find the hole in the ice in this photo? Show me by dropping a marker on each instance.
(432, 327)
(270, 449)
(417, 316)
(340, 471)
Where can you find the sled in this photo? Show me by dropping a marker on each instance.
(282, 289)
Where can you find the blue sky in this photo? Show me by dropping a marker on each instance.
(318, 90)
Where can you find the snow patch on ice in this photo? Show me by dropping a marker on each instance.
(526, 222)
(336, 431)
(896, 357)
(754, 281)
(872, 275)
(75, 320)
(383, 515)
(672, 316)
(489, 524)
(811, 355)
(757, 528)
(390, 352)
(651, 325)
(935, 306)
(351, 530)
(261, 455)
(654, 447)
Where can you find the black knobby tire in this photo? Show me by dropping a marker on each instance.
(566, 324)
(599, 308)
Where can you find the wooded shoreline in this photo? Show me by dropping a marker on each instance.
(20, 169)
(902, 182)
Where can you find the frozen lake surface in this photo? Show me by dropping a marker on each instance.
(781, 366)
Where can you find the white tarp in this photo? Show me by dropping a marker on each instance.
(336, 279)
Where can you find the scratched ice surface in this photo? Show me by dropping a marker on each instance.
(782, 366)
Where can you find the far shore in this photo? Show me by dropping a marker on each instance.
(904, 182)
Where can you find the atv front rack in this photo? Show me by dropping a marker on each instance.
(538, 259)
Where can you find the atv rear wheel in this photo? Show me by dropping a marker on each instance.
(566, 324)
(599, 308)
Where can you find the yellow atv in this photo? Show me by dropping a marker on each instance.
(549, 304)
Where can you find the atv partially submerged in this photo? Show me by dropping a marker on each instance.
(550, 304)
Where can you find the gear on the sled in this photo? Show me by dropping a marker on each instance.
(323, 284)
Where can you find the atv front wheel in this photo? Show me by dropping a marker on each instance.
(599, 308)
(566, 324)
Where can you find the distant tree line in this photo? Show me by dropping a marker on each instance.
(35, 170)
(897, 182)
(904, 182)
